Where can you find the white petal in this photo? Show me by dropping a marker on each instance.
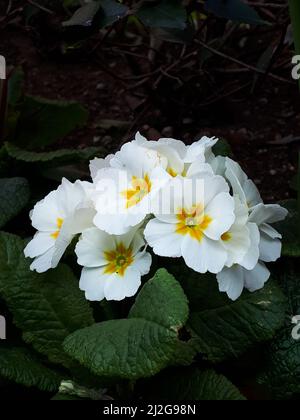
(118, 224)
(137, 242)
(45, 214)
(142, 262)
(238, 244)
(241, 212)
(221, 211)
(163, 239)
(92, 281)
(91, 246)
(39, 244)
(120, 287)
(252, 194)
(203, 256)
(231, 281)
(97, 164)
(251, 258)
(214, 185)
(237, 178)
(176, 145)
(199, 167)
(62, 242)
(256, 278)
(81, 220)
(218, 165)
(267, 213)
(270, 249)
(270, 231)
(70, 196)
(43, 262)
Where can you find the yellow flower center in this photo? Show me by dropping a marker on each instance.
(193, 222)
(118, 260)
(59, 223)
(226, 236)
(172, 172)
(140, 187)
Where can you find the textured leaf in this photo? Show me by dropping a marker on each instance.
(290, 230)
(14, 195)
(141, 346)
(58, 155)
(235, 10)
(44, 121)
(224, 329)
(192, 384)
(165, 14)
(46, 307)
(282, 366)
(153, 302)
(18, 365)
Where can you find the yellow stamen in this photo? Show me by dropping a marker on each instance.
(226, 236)
(59, 223)
(172, 172)
(140, 188)
(193, 222)
(118, 260)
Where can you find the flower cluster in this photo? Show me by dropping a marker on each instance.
(181, 201)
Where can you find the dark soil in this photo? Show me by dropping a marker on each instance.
(262, 127)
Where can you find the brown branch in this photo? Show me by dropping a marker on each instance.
(242, 64)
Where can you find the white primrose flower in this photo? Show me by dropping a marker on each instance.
(201, 211)
(113, 265)
(263, 215)
(234, 279)
(125, 193)
(61, 215)
(251, 273)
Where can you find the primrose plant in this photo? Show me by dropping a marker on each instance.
(160, 197)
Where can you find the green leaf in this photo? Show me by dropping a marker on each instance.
(235, 10)
(43, 121)
(222, 148)
(19, 365)
(57, 155)
(224, 329)
(101, 13)
(14, 195)
(192, 384)
(281, 374)
(289, 228)
(84, 16)
(112, 11)
(46, 307)
(142, 345)
(153, 302)
(165, 14)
